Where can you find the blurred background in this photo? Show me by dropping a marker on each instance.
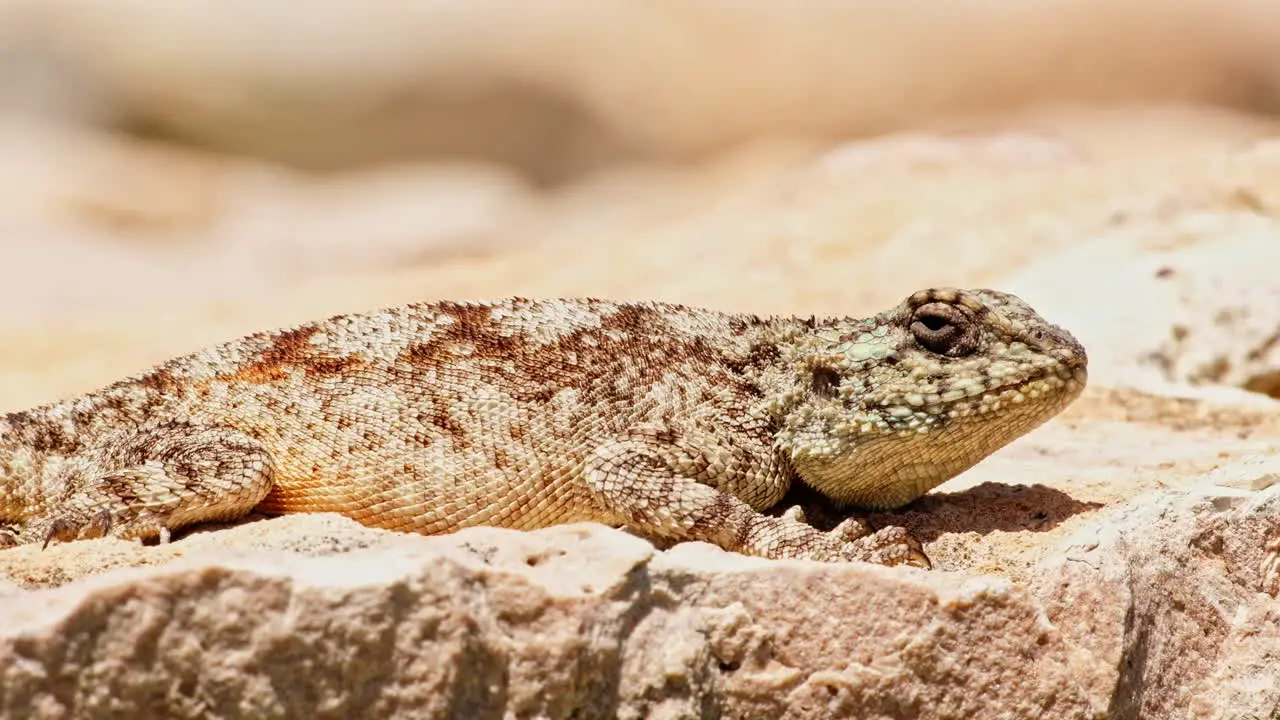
(178, 172)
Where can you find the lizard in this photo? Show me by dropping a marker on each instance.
(681, 423)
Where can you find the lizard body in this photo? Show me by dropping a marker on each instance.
(681, 422)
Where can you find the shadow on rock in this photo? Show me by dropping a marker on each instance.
(982, 509)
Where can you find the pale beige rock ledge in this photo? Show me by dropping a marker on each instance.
(577, 621)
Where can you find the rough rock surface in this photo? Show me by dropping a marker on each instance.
(577, 621)
(1169, 604)
(1184, 288)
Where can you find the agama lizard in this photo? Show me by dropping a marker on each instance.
(679, 422)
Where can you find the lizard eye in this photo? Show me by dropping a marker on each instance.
(826, 382)
(944, 329)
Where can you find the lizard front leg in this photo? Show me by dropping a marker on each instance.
(148, 481)
(639, 479)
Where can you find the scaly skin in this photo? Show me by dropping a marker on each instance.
(682, 423)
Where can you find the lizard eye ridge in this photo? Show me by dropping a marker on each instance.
(944, 329)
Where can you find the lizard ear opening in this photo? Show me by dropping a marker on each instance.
(826, 382)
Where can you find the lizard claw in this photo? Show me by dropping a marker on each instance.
(915, 552)
(917, 558)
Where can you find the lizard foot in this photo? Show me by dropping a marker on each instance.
(851, 528)
(130, 523)
(892, 545)
(147, 482)
(889, 546)
(74, 526)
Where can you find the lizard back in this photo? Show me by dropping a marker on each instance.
(426, 416)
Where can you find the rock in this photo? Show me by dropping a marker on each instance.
(1250, 473)
(1173, 591)
(576, 621)
(1184, 296)
(1158, 606)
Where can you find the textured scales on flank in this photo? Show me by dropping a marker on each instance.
(681, 423)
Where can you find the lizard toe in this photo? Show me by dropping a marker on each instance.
(917, 558)
(851, 529)
(892, 545)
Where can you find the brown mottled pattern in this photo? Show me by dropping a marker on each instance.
(681, 422)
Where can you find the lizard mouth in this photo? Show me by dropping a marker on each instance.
(1061, 384)
(1070, 383)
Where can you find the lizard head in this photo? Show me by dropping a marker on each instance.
(886, 408)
